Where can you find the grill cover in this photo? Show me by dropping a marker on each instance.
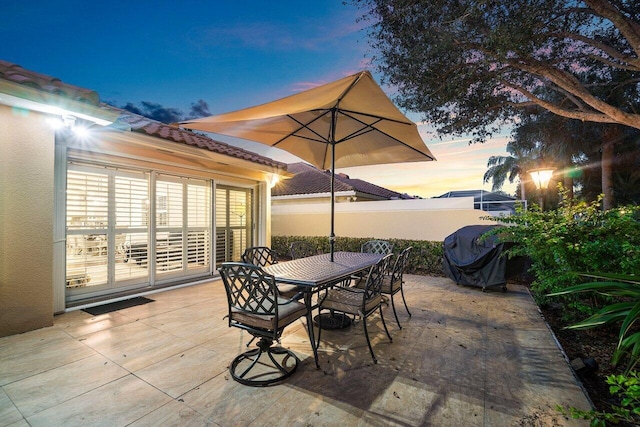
(470, 261)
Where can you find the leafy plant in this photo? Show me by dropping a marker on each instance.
(426, 257)
(578, 236)
(627, 388)
(625, 290)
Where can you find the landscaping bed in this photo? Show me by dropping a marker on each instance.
(598, 344)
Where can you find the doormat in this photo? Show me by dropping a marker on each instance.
(115, 306)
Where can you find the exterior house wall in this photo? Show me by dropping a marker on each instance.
(424, 219)
(32, 255)
(26, 221)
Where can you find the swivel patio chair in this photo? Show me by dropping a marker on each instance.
(260, 256)
(393, 281)
(256, 306)
(301, 249)
(359, 302)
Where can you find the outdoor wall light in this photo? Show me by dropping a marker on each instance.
(62, 121)
(274, 180)
(541, 177)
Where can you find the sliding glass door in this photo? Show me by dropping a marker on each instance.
(128, 229)
(234, 222)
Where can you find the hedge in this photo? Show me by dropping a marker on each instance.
(425, 258)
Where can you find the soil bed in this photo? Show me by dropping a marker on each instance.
(597, 344)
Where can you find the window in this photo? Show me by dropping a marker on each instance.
(110, 242)
(233, 222)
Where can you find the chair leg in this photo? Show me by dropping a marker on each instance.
(404, 300)
(274, 373)
(385, 324)
(393, 306)
(366, 334)
(319, 332)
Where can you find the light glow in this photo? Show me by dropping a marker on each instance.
(541, 177)
(274, 180)
(81, 131)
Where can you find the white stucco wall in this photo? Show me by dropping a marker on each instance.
(426, 219)
(26, 221)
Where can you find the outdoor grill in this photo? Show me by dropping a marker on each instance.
(473, 260)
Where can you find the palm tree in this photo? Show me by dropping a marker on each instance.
(500, 168)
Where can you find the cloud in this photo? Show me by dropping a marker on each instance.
(199, 109)
(168, 115)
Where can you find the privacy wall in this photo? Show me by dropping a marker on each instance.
(423, 219)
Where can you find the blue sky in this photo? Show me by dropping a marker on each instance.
(231, 54)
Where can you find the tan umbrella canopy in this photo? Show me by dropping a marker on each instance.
(349, 122)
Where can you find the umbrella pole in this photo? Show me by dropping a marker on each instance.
(332, 236)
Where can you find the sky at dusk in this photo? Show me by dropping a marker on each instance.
(230, 54)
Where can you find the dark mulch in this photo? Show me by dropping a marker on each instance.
(598, 344)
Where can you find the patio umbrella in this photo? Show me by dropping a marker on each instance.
(349, 122)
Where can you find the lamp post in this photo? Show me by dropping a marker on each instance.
(541, 177)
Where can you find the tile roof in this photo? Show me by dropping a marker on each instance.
(15, 73)
(151, 127)
(310, 180)
(136, 123)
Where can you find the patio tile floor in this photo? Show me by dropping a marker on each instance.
(465, 358)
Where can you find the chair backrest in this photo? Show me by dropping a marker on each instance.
(381, 247)
(250, 292)
(301, 249)
(260, 255)
(400, 265)
(373, 285)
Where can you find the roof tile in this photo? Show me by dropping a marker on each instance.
(135, 122)
(310, 180)
(151, 127)
(17, 74)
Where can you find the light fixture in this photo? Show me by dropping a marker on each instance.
(541, 177)
(274, 180)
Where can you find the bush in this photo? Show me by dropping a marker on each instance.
(627, 389)
(624, 290)
(576, 237)
(426, 257)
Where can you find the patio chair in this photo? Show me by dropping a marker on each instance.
(359, 302)
(260, 256)
(255, 305)
(393, 281)
(301, 249)
(381, 247)
(263, 256)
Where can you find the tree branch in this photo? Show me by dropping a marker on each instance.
(629, 28)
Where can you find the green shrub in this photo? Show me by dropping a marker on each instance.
(426, 257)
(577, 236)
(627, 389)
(624, 290)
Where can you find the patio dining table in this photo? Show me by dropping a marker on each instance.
(315, 273)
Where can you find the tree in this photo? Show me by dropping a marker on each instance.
(501, 168)
(469, 65)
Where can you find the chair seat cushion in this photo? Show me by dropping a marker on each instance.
(288, 291)
(390, 288)
(287, 313)
(348, 301)
(387, 286)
